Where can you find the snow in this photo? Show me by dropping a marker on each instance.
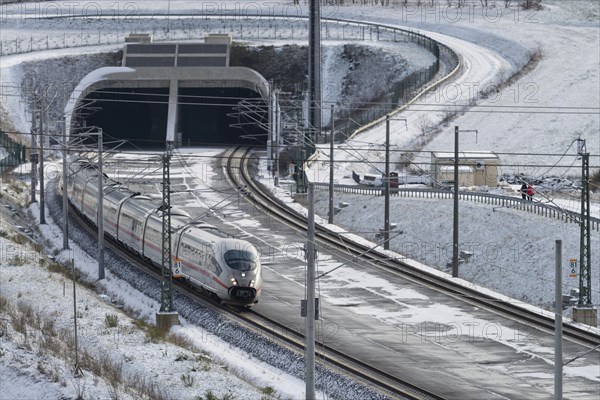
(512, 261)
(510, 254)
(214, 365)
(508, 122)
(124, 344)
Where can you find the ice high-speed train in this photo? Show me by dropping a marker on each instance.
(210, 260)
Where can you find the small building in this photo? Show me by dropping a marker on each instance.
(474, 168)
(138, 38)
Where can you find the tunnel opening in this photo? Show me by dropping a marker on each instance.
(221, 116)
(205, 116)
(137, 115)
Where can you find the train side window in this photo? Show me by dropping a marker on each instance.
(214, 266)
(136, 226)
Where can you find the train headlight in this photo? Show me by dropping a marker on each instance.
(234, 282)
(251, 283)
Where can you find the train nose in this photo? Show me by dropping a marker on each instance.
(245, 294)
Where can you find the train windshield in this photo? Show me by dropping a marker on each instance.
(241, 260)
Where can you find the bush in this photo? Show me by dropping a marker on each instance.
(180, 340)
(155, 335)
(111, 320)
(20, 239)
(268, 390)
(209, 395)
(56, 267)
(531, 4)
(188, 380)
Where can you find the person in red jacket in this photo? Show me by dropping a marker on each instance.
(523, 191)
(530, 192)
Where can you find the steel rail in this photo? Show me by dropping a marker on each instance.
(380, 259)
(277, 332)
(343, 362)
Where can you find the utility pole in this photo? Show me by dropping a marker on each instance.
(314, 79)
(270, 127)
(455, 211)
(331, 140)
(386, 186)
(585, 278)
(166, 298)
(585, 312)
(65, 187)
(167, 316)
(301, 179)
(41, 146)
(78, 371)
(455, 252)
(276, 142)
(558, 363)
(386, 183)
(33, 155)
(310, 297)
(100, 208)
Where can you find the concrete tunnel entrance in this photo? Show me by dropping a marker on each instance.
(186, 92)
(205, 116)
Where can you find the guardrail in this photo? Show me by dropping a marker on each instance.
(16, 153)
(533, 207)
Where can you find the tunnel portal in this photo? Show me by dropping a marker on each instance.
(205, 116)
(181, 92)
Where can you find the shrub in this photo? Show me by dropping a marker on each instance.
(4, 304)
(16, 261)
(20, 239)
(56, 267)
(181, 357)
(188, 380)
(268, 390)
(180, 340)
(111, 320)
(155, 335)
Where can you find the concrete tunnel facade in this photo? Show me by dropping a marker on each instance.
(186, 93)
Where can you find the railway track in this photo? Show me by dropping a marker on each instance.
(238, 173)
(276, 332)
(331, 358)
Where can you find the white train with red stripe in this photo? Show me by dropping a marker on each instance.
(210, 259)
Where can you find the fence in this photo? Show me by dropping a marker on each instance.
(194, 27)
(16, 153)
(188, 27)
(542, 209)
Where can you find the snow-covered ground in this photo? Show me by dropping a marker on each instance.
(513, 254)
(531, 123)
(39, 364)
(37, 356)
(513, 251)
